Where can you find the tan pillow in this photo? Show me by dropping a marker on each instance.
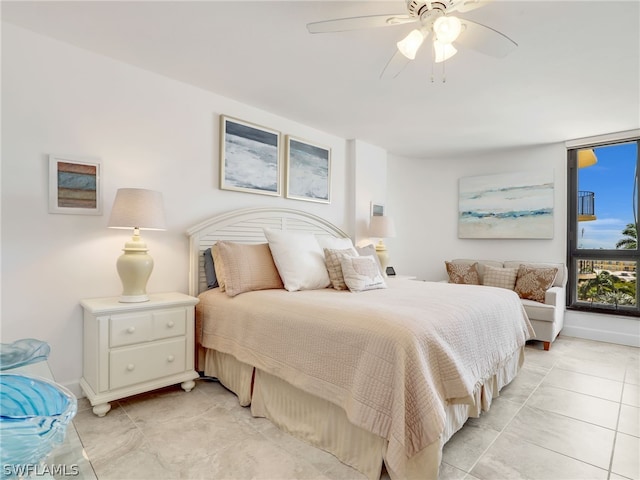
(500, 277)
(332, 258)
(533, 282)
(465, 273)
(218, 266)
(248, 267)
(361, 273)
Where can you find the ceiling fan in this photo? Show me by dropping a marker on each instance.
(430, 18)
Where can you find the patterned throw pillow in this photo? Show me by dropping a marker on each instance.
(362, 273)
(533, 282)
(465, 273)
(333, 258)
(500, 277)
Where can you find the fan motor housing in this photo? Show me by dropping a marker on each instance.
(418, 7)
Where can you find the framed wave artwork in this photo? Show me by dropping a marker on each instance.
(308, 171)
(249, 157)
(510, 205)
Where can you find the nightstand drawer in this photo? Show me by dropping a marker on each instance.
(169, 323)
(128, 366)
(130, 328)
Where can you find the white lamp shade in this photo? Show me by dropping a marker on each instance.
(443, 51)
(447, 29)
(410, 44)
(382, 227)
(138, 208)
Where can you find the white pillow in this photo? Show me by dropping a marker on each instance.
(361, 273)
(333, 243)
(299, 259)
(371, 251)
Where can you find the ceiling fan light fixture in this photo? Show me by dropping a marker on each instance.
(411, 43)
(443, 51)
(447, 29)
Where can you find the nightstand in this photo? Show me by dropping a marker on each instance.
(131, 348)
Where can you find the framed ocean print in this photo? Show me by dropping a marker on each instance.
(509, 205)
(249, 157)
(74, 185)
(308, 171)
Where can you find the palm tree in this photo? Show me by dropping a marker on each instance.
(596, 288)
(630, 242)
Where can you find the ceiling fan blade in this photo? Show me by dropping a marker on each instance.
(468, 5)
(394, 66)
(485, 39)
(357, 23)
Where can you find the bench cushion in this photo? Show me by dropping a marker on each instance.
(539, 311)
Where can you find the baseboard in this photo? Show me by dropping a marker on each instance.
(600, 335)
(75, 388)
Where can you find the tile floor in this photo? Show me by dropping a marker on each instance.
(572, 413)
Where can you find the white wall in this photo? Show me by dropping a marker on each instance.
(424, 197)
(370, 170)
(150, 132)
(423, 194)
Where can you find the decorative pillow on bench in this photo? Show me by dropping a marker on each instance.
(500, 277)
(533, 282)
(463, 273)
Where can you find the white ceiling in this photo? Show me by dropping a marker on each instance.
(575, 73)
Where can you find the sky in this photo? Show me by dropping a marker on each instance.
(612, 181)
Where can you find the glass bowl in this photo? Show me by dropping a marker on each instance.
(34, 414)
(23, 352)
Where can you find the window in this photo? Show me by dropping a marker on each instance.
(603, 253)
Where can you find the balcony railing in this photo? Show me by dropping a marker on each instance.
(586, 206)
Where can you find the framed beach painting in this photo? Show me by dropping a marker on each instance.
(308, 171)
(249, 157)
(74, 185)
(510, 205)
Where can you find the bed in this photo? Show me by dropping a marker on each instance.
(380, 374)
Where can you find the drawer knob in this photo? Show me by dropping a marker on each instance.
(131, 329)
(170, 324)
(131, 367)
(170, 358)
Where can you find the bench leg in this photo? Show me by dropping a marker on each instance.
(547, 345)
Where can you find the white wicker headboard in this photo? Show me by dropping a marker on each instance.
(246, 226)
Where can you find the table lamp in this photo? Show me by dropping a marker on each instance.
(382, 227)
(139, 209)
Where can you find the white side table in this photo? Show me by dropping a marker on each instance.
(402, 277)
(131, 348)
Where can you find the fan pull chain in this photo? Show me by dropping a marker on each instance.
(444, 73)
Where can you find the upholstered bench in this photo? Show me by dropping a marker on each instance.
(541, 290)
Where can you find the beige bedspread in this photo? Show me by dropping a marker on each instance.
(390, 358)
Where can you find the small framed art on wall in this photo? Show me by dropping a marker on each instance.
(74, 185)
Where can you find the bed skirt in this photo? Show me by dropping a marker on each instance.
(326, 426)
